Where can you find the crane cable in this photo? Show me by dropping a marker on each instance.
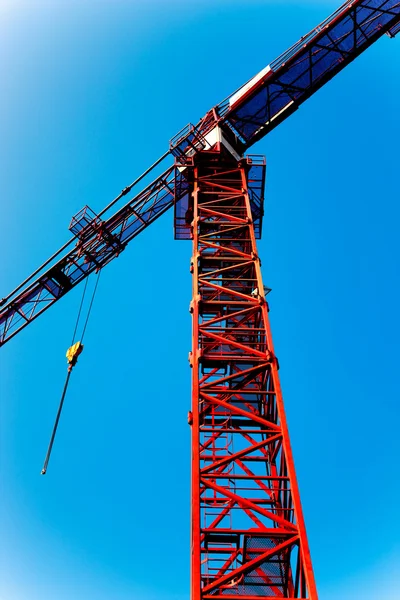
(79, 311)
(90, 305)
(72, 356)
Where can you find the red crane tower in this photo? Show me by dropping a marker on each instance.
(248, 534)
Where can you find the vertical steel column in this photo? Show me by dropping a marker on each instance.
(248, 533)
(195, 364)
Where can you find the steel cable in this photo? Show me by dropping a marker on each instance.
(80, 310)
(90, 305)
(70, 366)
(53, 435)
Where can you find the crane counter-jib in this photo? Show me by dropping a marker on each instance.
(276, 92)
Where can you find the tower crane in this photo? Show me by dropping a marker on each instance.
(248, 535)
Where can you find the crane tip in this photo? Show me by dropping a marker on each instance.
(43, 472)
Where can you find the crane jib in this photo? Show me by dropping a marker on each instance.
(90, 254)
(245, 117)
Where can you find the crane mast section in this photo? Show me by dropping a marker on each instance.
(248, 533)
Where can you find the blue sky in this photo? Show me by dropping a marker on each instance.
(91, 94)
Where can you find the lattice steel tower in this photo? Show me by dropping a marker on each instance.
(248, 533)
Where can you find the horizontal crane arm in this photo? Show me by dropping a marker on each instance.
(280, 88)
(98, 247)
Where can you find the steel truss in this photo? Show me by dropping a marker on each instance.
(96, 244)
(248, 532)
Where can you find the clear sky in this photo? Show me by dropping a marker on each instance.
(91, 93)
